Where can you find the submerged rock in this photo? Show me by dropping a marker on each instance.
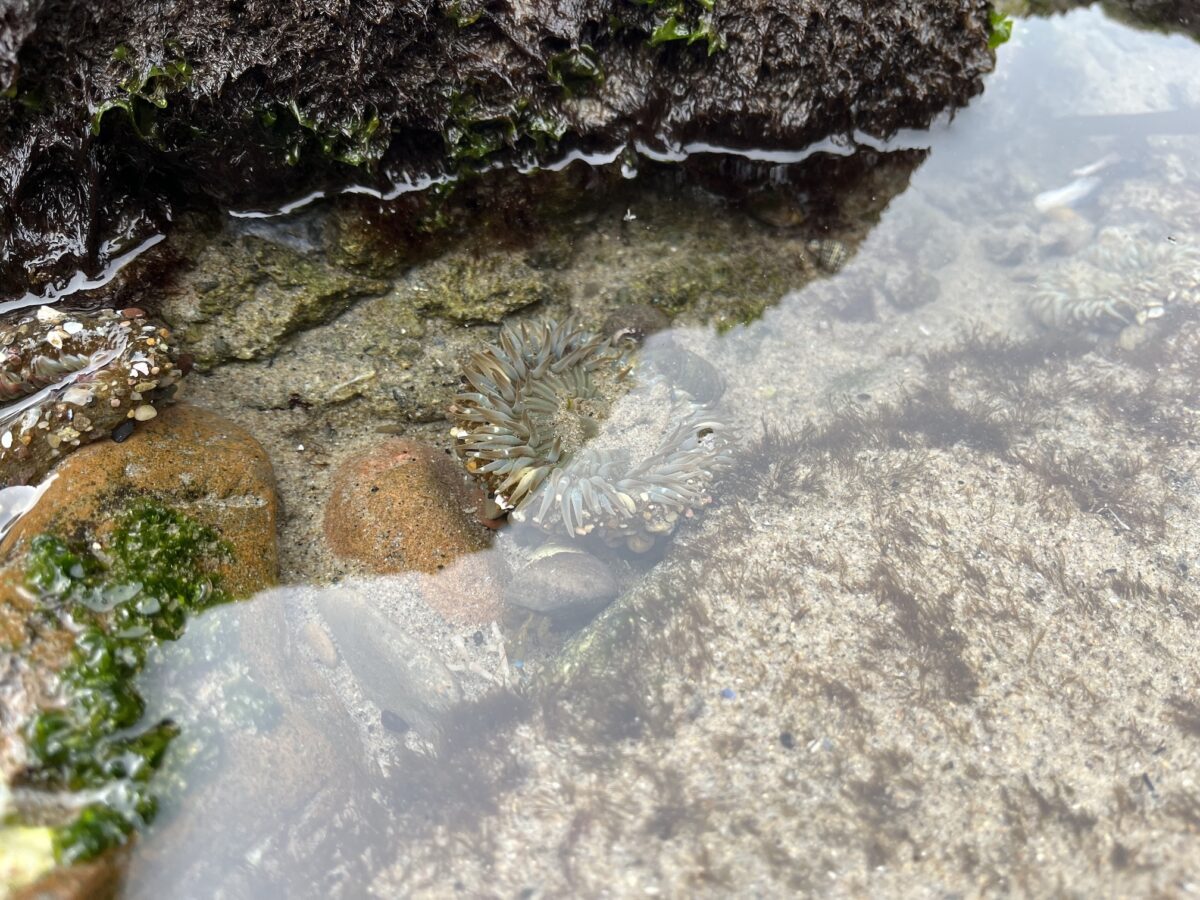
(563, 582)
(125, 544)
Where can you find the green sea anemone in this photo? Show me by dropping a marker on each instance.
(577, 436)
(1122, 279)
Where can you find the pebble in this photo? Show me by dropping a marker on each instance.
(562, 581)
(145, 412)
(403, 506)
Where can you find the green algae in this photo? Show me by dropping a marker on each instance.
(464, 12)
(1000, 29)
(681, 25)
(477, 132)
(145, 92)
(355, 139)
(576, 70)
(124, 593)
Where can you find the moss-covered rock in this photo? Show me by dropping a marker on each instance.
(244, 295)
(710, 284)
(125, 545)
(467, 287)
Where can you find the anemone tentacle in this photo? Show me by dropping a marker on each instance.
(530, 408)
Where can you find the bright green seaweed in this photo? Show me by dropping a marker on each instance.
(137, 588)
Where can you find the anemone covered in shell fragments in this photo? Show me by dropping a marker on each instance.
(70, 378)
(578, 436)
(1123, 279)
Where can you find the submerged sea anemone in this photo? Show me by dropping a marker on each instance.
(576, 436)
(1123, 279)
(70, 378)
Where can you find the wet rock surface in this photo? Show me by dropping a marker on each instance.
(191, 459)
(245, 103)
(252, 294)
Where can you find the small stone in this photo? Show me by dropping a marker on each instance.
(77, 396)
(639, 543)
(145, 412)
(564, 582)
(320, 644)
(123, 431)
(635, 322)
(1065, 232)
(403, 506)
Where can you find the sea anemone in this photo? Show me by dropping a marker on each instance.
(70, 378)
(576, 435)
(1123, 279)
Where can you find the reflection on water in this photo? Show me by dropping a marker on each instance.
(935, 632)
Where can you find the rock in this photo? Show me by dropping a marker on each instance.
(563, 582)
(403, 506)
(1009, 245)
(1064, 232)
(247, 293)
(99, 879)
(307, 785)
(306, 742)
(465, 286)
(635, 322)
(393, 669)
(98, 143)
(186, 459)
(189, 459)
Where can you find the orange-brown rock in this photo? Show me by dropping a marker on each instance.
(188, 458)
(403, 506)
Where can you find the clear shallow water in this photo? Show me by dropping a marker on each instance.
(935, 636)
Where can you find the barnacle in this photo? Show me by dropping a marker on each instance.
(1121, 280)
(579, 436)
(67, 379)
